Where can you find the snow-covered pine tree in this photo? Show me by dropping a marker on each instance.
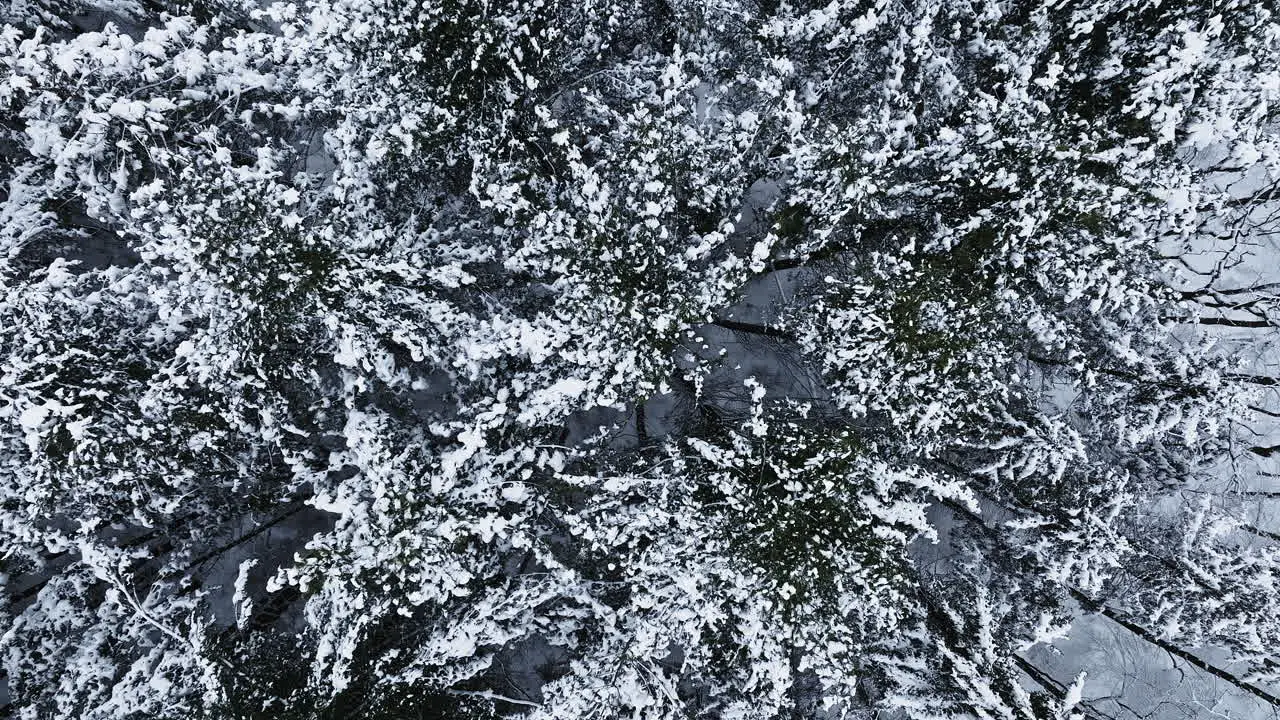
(845, 282)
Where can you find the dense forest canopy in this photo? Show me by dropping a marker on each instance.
(655, 359)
